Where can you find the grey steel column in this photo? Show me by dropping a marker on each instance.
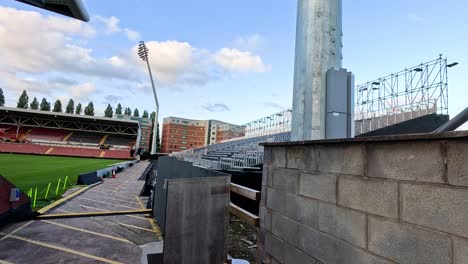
(156, 113)
(318, 48)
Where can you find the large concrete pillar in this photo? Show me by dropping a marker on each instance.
(318, 48)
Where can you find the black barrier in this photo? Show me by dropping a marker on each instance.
(171, 168)
(88, 178)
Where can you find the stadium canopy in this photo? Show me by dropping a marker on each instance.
(36, 118)
(71, 8)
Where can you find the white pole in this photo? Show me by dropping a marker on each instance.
(155, 129)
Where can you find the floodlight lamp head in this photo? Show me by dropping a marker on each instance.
(452, 64)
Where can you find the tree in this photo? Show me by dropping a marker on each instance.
(145, 114)
(128, 111)
(23, 100)
(70, 107)
(45, 106)
(89, 109)
(2, 98)
(108, 112)
(78, 109)
(136, 113)
(57, 106)
(35, 104)
(118, 110)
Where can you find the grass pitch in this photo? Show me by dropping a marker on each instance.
(31, 171)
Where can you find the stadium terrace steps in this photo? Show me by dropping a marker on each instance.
(77, 152)
(23, 148)
(103, 139)
(235, 155)
(117, 154)
(49, 151)
(67, 136)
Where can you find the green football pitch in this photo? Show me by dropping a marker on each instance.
(31, 171)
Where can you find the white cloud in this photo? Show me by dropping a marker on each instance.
(170, 60)
(111, 23)
(35, 49)
(252, 42)
(83, 91)
(132, 35)
(240, 61)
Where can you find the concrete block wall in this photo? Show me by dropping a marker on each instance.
(397, 200)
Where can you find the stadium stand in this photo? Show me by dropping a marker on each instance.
(71, 151)
(24, 148)
(119, 140)
(46, 134)
(236, 154)
(116, 154)
(85, 137)
(12, 133)
(37, 132)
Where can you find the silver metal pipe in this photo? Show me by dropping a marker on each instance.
(454, 123)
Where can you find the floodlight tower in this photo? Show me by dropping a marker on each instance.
(143, 53)
(318, 49)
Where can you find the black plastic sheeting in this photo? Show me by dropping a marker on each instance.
(423, 124)
(88, 178)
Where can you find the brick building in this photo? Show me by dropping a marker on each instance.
(180, 134)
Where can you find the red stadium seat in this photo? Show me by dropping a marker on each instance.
(47, 134)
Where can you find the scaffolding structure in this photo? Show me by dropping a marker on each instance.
(424, 86)
(269, 125)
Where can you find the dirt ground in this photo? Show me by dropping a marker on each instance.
(242, 240)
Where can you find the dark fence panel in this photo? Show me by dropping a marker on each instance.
(197, 220)
(171, 168)
(88, 178)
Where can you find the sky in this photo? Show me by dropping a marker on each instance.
(225, 60)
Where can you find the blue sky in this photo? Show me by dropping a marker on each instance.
(226, 60)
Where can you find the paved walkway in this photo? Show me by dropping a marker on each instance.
(106, 239)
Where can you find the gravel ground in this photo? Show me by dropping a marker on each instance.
(241, 237)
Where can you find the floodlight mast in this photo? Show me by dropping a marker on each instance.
(143, 53)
